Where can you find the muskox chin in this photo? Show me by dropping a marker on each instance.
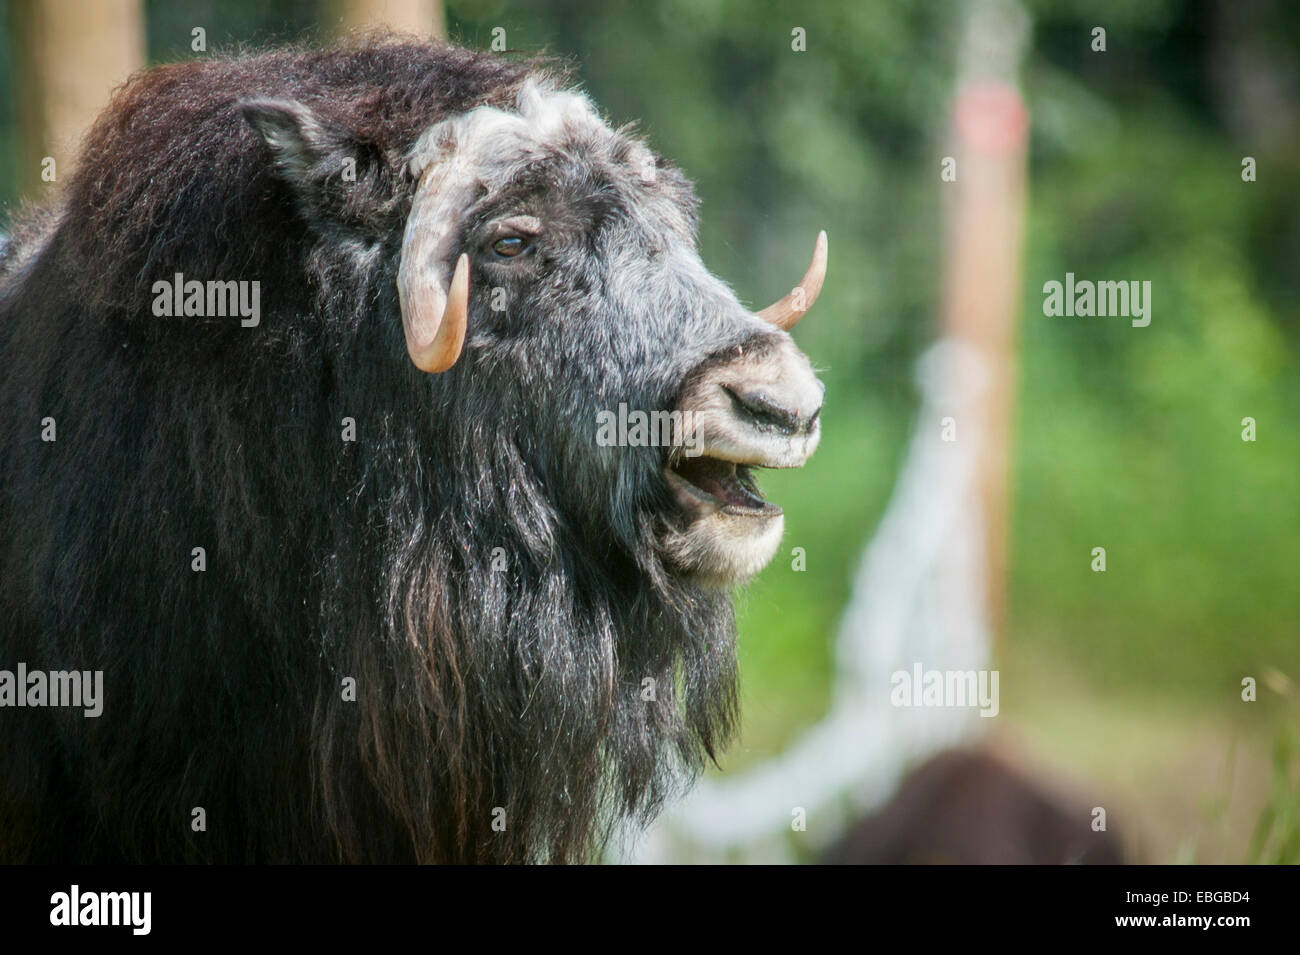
(526, 671)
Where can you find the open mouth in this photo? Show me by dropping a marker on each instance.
(720, 484)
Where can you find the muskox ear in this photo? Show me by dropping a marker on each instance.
(337, 179)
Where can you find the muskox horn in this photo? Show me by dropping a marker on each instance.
(433, 317)
(785, 313)
(448, 328)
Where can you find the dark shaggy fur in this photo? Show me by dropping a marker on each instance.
(478, 688)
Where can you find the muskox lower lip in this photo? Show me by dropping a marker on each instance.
(705, 484)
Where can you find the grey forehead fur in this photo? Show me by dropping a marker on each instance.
(498, 144)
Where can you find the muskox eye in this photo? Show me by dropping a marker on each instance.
(510, 246)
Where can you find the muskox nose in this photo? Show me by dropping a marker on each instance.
(790, 410)
(760, 407)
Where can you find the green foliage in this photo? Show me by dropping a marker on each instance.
(1276, 836)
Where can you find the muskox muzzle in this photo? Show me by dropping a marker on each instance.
(756, 407)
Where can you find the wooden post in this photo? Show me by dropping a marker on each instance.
(68, 57)
(982, 277)
(425, 17)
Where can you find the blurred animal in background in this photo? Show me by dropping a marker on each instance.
(972, 807)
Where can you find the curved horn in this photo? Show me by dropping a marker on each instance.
(449, 328)
(785, 313)
(433, 317)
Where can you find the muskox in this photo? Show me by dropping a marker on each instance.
(360, 581)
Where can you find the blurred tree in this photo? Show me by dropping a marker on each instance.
(406, 16)
(68, 57)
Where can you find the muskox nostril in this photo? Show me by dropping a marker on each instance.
(766, 411)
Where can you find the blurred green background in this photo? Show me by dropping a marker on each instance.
(1125, 438)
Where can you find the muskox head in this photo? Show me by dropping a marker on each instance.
(548, 266)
